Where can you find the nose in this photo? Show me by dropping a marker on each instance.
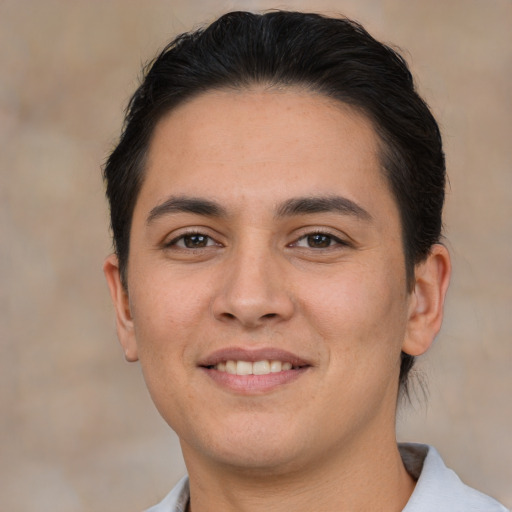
(254, 291)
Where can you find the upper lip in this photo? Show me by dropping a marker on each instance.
(243, 354)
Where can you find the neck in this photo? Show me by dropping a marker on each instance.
(349, 481)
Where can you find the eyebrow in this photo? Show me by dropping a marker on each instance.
(289, 208)
(322, 204)
(182, 204)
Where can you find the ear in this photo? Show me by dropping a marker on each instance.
(124, 321)
(432, 277)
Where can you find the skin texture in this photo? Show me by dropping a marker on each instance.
(258, 280)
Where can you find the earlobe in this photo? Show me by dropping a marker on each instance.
(432, 277)
(119, 295)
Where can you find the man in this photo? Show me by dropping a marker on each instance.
(276, 201)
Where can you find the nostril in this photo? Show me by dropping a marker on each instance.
(269, 315)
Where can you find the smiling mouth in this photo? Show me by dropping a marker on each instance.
(263, 367)
(255, 371)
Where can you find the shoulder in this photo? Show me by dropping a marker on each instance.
(438, 487)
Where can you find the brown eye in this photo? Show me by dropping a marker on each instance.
(319, 241)
(196, 241)
(192, 241)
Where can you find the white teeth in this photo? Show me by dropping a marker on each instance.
(275, 366)
(230, 367)
(263, 367)
(243, 368)
(260, 367)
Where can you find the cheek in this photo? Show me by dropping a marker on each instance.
(164, 303)
(167, 314)
(361, 313)
(164, 316)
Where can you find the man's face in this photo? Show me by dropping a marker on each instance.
(265, 236)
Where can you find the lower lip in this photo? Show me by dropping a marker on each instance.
(254, 384)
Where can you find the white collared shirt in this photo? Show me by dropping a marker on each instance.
(438, 489)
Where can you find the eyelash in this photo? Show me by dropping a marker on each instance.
(332, 240)
(174, 242)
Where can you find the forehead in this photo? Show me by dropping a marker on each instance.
(264, 144)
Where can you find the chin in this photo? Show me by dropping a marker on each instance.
(269, 449)
(262, 462)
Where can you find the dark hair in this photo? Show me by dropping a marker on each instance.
(335, 57)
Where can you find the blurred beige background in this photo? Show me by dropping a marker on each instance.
(77, 429)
